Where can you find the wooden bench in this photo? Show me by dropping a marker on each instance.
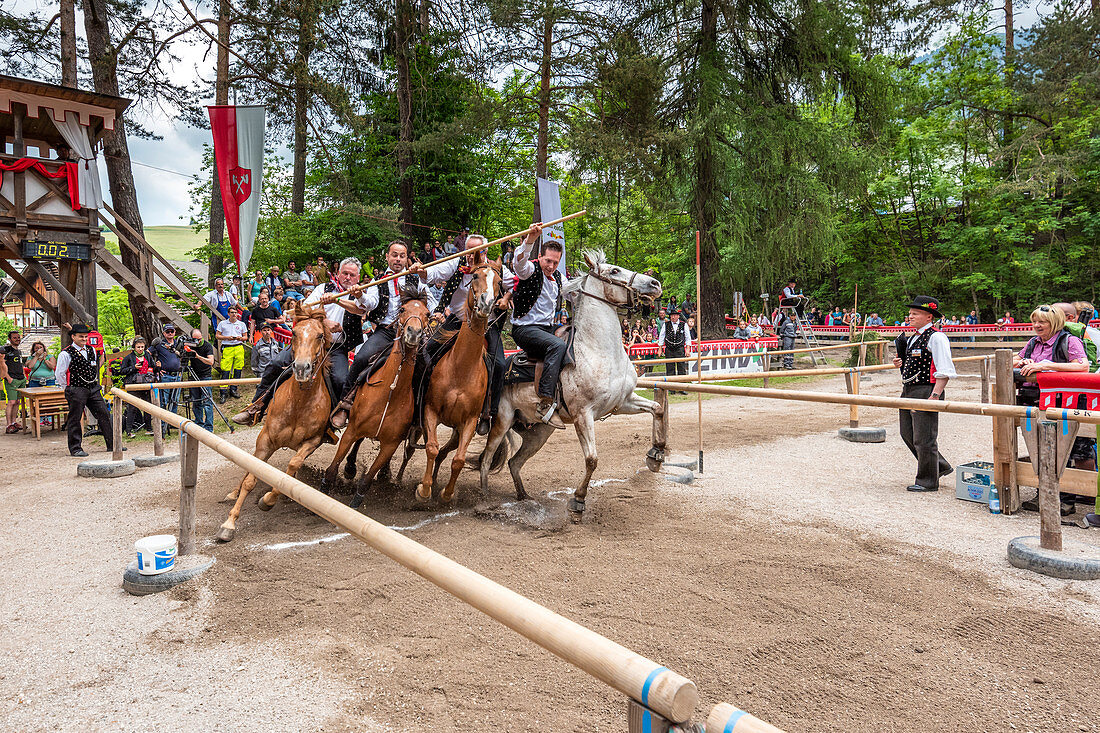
(43, 402)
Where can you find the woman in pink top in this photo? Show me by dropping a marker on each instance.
(1052, 349)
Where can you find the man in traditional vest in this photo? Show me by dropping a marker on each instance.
(924, 358)
(381, 302)
(78, 372)
(676, 340)
(537, 301)
(454, 278)
(343, 316)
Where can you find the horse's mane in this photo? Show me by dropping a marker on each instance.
(595, 256)
(412, 293)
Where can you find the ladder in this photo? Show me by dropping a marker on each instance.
(806, 332)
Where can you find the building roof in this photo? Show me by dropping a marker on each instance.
(96, 111)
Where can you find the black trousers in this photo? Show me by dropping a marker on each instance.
(379, 344)
(266, 388)
(919, 431)
(786, 343)
(676, 368)
(799, 304)
(494, 344)
(539, 342)
(78, 399)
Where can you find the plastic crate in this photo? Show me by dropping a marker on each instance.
(973, 480)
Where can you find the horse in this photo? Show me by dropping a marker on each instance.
(298, 416)
(601, 382)
(456, 389)
(383, 409)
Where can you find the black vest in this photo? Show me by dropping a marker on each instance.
(916, 359)
(528, 291)
(449, 289)
(383, 308)
(82, 373)
(675, 337)
(352, 324)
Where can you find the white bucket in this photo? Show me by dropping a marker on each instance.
(156, 554)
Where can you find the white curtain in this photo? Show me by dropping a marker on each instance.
(76, 136)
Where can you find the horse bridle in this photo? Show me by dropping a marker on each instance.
(632, 295)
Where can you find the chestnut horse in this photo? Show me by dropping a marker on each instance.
(298, 415)
(383, 408)
(456, 392)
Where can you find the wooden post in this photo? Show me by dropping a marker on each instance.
(851, 382)
(158, 436)
(189, 479)
(983, 365)
(1050, 517)
(1004, 435)
(767, 366)
(116, 429)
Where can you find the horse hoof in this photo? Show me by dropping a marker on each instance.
(323, 488)
(225, 534)
(349, 473)
(576, 505)
(356, 501)
(576, 517)
(264, 505)
(231, 496)
(653, 464)
(521, 495)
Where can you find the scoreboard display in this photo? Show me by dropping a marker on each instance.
(42, 250)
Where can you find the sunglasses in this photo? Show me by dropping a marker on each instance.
(1044, 309)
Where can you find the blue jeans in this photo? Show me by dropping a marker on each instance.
(41, 382)
(202, 407)
(169, 398)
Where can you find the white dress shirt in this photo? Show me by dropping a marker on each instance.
(543, 312)
(214, 299)
(334, 311)
(61, 367)
(687, 335)
(940, 347)
(393, 287)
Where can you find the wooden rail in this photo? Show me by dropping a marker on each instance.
(823, 371)
(749, 354)
(194, 383)
(659, 689)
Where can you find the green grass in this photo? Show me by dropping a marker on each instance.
(173, 242)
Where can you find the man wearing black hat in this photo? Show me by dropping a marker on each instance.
(791, 297)
(78, 372)
(676, 340)
(925, 362)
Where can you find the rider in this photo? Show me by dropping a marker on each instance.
(342, 316)
(454, 277)
(537, 300)
(382, 303)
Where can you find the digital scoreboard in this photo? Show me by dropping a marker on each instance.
(41, 250)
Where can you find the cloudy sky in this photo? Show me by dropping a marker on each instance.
(162, 168)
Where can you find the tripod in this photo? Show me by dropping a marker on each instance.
(207, 394)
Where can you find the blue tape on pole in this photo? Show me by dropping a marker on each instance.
(1027, 422)
(649, 681)
(732, 722)
(1065, 424)
(646, 722)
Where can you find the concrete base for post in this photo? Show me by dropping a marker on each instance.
(677, 474)
(863, 435)
(105, 469)
(689, 462)
(1076, 561)
(187, 567)
(154, 460)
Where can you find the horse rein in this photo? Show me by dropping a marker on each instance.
(633, 296)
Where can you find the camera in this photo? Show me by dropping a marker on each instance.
(189, 342)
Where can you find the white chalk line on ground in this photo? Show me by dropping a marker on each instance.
(423, 522)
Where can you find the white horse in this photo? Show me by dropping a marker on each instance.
(600, 383)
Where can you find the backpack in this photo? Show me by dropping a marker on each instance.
(1080, 331)
(1061, 347)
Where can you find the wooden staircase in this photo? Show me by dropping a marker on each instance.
(154, 270)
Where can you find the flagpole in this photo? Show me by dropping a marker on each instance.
(698, 339)
(456, 255)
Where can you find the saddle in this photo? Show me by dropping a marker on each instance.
(519, 369)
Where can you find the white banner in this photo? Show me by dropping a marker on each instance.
(740, 358)
(550, 209)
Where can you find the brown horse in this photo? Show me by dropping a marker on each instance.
(298, 415)
(456, 391)
(383, 408)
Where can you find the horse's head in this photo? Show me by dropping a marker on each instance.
(486, 286)
(620, 285)
(310, 341)
(412, 319)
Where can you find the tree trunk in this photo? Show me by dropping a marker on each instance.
(705, 194)
(1010, 58)
(543, 142)
(221, 97)
(403, 38)
(116, 153)
(307, 17)
(68, 43)
(425, 8)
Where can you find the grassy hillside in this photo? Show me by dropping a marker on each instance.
(173, 242)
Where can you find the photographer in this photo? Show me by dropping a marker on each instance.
(164, 354)
(198, 358)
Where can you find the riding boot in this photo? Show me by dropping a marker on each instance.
(546, 413)
(340, 415)
(254, 412)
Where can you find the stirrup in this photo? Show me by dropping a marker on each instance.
(548, 417)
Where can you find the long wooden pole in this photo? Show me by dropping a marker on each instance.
(749, 354)
(698, 353)
(658, 688)
(193, 383)
(819, 372)
(463, 253)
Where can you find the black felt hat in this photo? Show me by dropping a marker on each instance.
(80, 328)
(926, 304)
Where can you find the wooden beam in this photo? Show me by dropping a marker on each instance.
(66, 295)
(1072, 480)
(46, 304)
(1050, 519)
(1005, 447)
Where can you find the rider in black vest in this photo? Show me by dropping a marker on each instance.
(382, 303)
(343, 316)
(537, 303)
(675, 339)
(924, 358)
(78, 371)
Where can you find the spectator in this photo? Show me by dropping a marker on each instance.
(292, 279)
(219, 300)
(308, 281)
(625, 327)
(235, 289)
(11, 372)
(1085, 312)
(460, 240)
(199, 354)
(741, 333)
(320, 271)
(972, 319)
(136, 368)
(508, 254)
(254, 287)
(653, 331)
(755, 331)
(41, 366)
(166, 367)
(691, 329)
(1052, 349)
(264, 352)
(763, 320)
(264, 312)
(786, 331)
(78, 372)
(449, 248)
(278, 296)
(231, 335)
(273, 281)
(1089, 336)
(429, 255)
(792, 296)
(836, 318)
(874, 321)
